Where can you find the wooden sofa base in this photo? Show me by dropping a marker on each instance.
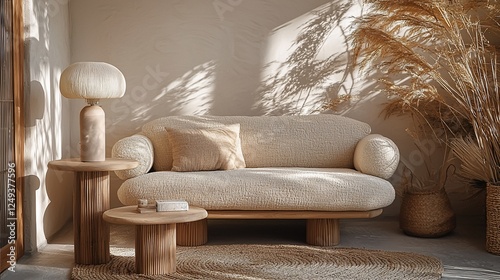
(322, 228)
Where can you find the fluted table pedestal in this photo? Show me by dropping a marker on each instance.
(155, 240)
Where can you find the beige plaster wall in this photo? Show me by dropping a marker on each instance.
(226, 57)
(48, 195)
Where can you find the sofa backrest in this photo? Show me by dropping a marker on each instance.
(324, 140)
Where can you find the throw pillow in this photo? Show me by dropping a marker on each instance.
(200, 149)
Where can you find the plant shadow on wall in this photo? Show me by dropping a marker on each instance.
(439, 67)
(304, 82)
(190, 94)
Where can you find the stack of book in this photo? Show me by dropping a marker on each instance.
(143, 206)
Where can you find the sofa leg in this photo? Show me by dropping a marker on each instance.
(192, 234)
(323, 232)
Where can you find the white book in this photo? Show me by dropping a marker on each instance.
(171, 205)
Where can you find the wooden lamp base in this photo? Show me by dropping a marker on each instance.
(92, 133)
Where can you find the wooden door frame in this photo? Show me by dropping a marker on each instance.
(18, 87)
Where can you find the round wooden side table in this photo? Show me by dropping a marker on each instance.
(155, 244)
(90, 200)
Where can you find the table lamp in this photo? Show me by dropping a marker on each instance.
(92, 81)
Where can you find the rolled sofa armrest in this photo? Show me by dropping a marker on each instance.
(137, 147)
(376, 155)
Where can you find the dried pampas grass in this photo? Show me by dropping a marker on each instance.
(439, 67)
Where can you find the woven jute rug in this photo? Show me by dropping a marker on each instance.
(274, 262)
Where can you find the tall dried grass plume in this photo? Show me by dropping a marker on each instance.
(438, 60)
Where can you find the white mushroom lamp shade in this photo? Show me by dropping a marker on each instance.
(92, 81)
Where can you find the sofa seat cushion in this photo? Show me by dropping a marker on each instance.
(285, 188)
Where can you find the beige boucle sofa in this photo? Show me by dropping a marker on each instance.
(320, 168)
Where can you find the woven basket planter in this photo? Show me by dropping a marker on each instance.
(493, 219)
(426, 214)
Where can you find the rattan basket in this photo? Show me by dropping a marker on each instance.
(426, 214)
(493, 219)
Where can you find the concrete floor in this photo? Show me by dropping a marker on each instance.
(462, 252)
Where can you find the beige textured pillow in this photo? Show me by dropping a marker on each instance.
(198, 149)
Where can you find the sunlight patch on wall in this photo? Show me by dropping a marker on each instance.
(307, 61)
(193, 93)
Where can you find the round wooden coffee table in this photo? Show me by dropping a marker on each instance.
(155, 243)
